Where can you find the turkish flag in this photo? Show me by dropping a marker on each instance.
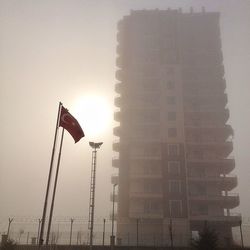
(69, 122)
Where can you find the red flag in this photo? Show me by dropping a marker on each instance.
(68, 122)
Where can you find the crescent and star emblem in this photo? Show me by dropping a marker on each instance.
(64, 117)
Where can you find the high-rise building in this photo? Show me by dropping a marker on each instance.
(174, 148)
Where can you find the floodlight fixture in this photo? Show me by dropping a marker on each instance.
(95, 145)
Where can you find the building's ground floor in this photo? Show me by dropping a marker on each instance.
(167, 232)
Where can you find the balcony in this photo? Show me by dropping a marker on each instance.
(115, 196)
(117, 116)
(198, 128)
(233, 219)
(193, 86)
(198, 108)
(136, 103)
(203, 117)
(150, 176)
(192, 99)
(119, 37)
(223, 147)
(227, 182)
(118, 49)
(114, 179)
(119, 62)
(146, 215)
(116, 162)
(226, 201)
(139, 194)
(111, 216)
(118, 88)
(116, 146)
(118, 101)
(117, 131)
(145, 157)
(119, 75)
(225, 165)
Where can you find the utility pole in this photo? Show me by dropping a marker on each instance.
(171, 233)
(10, 220)
(241, 235)
(137, 232)
(38, 231)
(28, 234)
(112, 239)
(71, 226)
(103, 234)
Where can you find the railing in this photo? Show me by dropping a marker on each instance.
(223, 218)
(115, 162)
(220, 176)
(229, 196)
(146, 156)
(146, 215)
(146, 194)
(209, 159)
(115, 197)
(193, 140)
(136, 175)
(114, 178)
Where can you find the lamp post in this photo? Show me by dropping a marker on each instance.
(94, 146)
(112, 238)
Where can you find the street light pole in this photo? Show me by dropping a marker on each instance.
(112, 239)
(94, 146)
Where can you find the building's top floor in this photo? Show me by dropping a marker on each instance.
(173, 12)
(170, 14)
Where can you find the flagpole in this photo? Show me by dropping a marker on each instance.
(49, 177)
(54, 190)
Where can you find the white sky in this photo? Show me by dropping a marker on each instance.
(60, 50)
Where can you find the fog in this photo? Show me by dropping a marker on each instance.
(61, 50)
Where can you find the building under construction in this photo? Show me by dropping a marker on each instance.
(174, 148)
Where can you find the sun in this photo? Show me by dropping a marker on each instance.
(94, 113)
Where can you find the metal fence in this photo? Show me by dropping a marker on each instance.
(24, 231)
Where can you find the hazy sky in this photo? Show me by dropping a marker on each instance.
(62, 50)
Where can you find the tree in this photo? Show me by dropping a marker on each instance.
(208, 240)
(8, 245)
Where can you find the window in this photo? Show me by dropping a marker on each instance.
(170, 71)
(174, 167)
(170, 85)
(175, 186)
(171, 100)
(173, 149)
(152, 187)
(175, 208)
(202, 210)
(172, 132)
(148, 170)
(151, 206)
(171, 116)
